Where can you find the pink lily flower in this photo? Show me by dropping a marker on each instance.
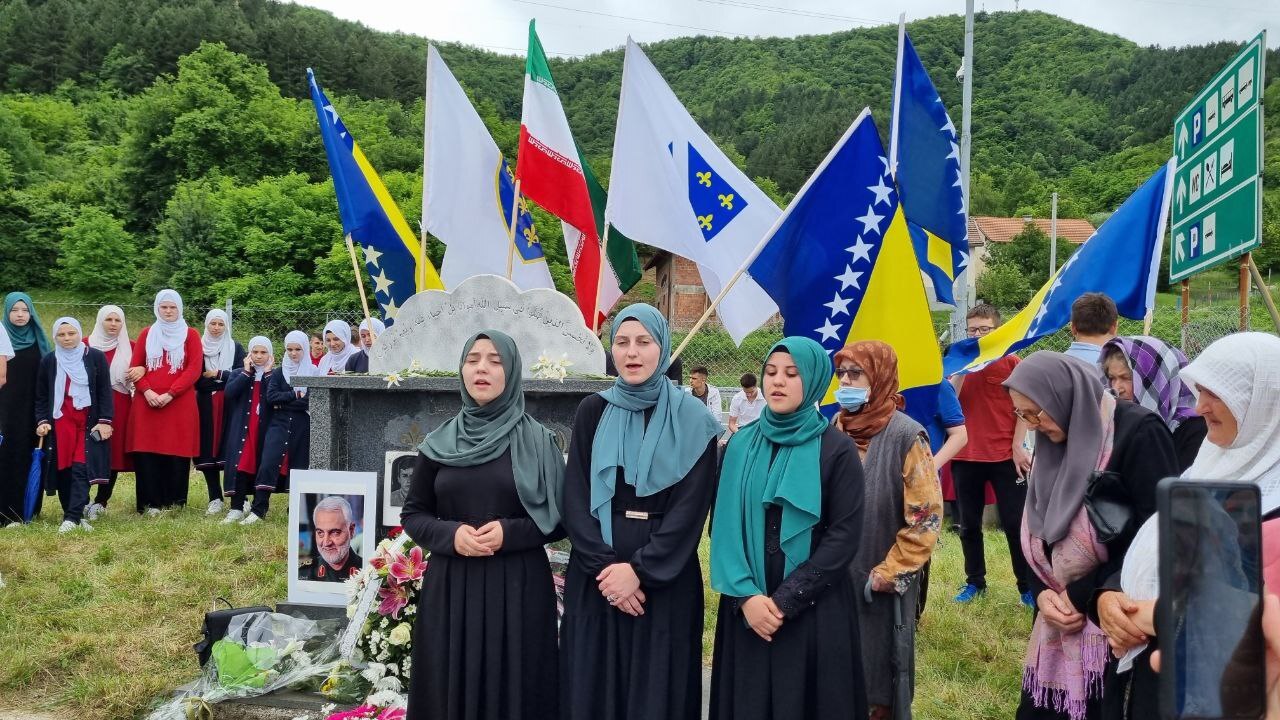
(408, 568)
(394, 599)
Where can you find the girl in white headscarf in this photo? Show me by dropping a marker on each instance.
(222, 355)
(111, 336)
(73, 413)
(1237, 385)
(247, 419)
(337, 336)
(163, 422)
(370, 330)
(286, 444)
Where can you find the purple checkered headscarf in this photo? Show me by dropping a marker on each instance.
(1156, 383)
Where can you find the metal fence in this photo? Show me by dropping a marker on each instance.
(711, 347)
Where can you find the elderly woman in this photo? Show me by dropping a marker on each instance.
(1083, 436)
(1237, 383)
(787, 524)
(903, 507)
(1146, 370)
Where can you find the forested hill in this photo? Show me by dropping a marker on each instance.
(99, 120)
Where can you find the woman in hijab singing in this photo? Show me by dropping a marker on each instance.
(639, 483)
(17, 403)
(787, 523)
(73, 412)
(1237, 384)
(164, 424)
(1146, 370)
(1083, 436)
(902, 517)
(337, 335)
(286, 443)
(222, 356)
(485, 498)
(111, 336)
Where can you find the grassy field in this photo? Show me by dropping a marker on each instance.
(96, 626)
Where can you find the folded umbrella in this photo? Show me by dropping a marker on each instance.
(34, 475)
(903, 660)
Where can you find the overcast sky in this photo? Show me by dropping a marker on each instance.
(580, 27)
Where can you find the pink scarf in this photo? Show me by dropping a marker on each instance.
(1063, 671)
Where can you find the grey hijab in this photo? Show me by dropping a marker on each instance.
(1067, 389)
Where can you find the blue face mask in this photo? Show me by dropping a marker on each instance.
(852, 398)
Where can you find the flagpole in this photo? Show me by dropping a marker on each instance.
(897, 100)
(515, 220)
(355, 266)
(604, 248)
(768, 235)
(966, 279)
(426, 153)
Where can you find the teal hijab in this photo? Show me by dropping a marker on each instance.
(30, 334)
(753, 476)
(655, 456)
(480, 433)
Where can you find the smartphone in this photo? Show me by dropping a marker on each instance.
(97, 436)
(1209, 615)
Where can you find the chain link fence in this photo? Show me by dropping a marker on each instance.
(711, 347)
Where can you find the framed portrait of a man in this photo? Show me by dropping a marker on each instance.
(332, 529)
(396, 477)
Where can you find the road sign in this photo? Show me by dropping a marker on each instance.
(1217, 190)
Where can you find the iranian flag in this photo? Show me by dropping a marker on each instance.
(553, 173)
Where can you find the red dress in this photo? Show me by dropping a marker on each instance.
(175, 428)
(70, 431)
(249, 454)
(121, 460)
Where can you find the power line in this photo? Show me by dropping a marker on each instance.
(801, 13)
(633, 19)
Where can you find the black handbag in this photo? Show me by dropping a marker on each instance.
(215, 627)
(1108, 504)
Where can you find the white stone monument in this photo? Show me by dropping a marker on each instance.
(432, 326)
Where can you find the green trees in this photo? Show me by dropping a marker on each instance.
(97, 255)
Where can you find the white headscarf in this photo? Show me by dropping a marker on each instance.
(379, 327)
(219, 352)
(167, 338)
(98, 339)
(302, 367)
(1244, 371)
(260, 341)
(70, 365)
(336, 362)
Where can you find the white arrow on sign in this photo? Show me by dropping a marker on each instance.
(1178, 252)
(1182, 139)
(1181, 193)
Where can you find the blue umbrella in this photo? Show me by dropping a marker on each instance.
(33, 482)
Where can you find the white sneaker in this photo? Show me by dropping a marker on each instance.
(152, 512)
(95, 511)
(215, 507)
(232, 516)
(13, 525)
(85, 526)
(250, 519)
(66, 527)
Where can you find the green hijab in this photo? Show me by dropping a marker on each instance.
(27, 335)
(774, 460)
(653, 456)
(480, 433)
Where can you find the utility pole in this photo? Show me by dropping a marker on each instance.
(1053, 236)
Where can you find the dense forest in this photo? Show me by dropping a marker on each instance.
(147, 142)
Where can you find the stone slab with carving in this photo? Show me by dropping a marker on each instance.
(431, 326)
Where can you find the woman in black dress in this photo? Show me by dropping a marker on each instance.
(222, 356)
(485, 498)
(18, 404)
(639, 483)
(787, 524)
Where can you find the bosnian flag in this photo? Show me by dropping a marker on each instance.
(553, 173)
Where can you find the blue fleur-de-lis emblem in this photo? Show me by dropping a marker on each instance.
(715, 203)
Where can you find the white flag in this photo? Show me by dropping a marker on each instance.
(672, 188)
(467, 192)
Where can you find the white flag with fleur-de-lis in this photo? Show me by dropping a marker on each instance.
(671, 187)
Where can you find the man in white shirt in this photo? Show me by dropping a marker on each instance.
(1094, 321)
(746, 405)
(706, 393)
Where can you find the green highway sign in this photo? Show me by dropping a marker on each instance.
(1217, 190)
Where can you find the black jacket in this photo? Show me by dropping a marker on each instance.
(101, 410)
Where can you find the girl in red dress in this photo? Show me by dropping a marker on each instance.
(73, 414)
(164, 427)
(111, 336)
(222, 357)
